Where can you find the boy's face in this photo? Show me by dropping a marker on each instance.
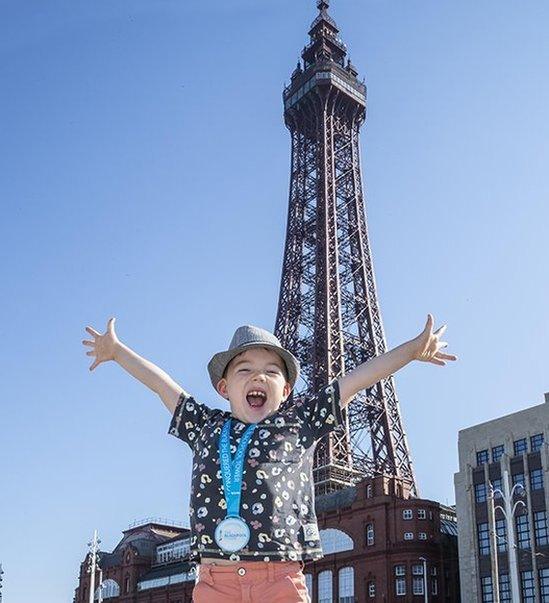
(255, 384)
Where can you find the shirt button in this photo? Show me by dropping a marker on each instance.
(241, 571)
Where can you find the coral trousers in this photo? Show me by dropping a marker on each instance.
(251, 582)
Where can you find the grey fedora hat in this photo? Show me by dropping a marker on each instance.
(247, 337)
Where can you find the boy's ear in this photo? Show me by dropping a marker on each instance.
(287, 390)
(222, 388)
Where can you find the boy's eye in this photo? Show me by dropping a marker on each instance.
(274, 372)
(242, 369)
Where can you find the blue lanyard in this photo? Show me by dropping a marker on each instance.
(231, 470)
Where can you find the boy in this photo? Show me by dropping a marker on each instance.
(252, 509)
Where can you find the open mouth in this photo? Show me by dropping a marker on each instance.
(256, 398)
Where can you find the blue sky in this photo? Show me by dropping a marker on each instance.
(145, 171)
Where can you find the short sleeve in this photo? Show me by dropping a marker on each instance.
(188, 419)
(322, 413)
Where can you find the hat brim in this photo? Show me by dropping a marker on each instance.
(219, 362)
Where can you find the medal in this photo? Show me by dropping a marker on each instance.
(233, 533)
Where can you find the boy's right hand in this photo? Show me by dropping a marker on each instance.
(104, 346)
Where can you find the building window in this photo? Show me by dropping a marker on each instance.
(480, 493)
(346, 585)
(408, 535)
(536, 479)
(501, 535)
(400, 570)
(482, 457)
(127, 585)
(487, 590)
(518, 478)
(540, 529)
(497, 453)
(325, 587)
(335, 541)
(498, 487)
(371, 589)
(369, 491)
(434, 586)
(520, 446)
(417, 585)
(536, 442)
(422, 536)
(417, 569)
(523, 531)
(407, 514)
(370, 534)
(421, 514)
(483, 539)
(110, 589)
(504, 588)
(309, 584)
(527, 587)
(544, 583)
(400, 586)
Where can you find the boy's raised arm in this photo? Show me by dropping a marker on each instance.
(109, 347)
(425, 347)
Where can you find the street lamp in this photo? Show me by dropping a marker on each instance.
(508, 510)
(92, 567)
(425, 591)
(1, 572)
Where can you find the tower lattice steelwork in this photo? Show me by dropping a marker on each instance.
(328, 312)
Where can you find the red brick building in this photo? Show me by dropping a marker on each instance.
(377, 541)
(149, 564)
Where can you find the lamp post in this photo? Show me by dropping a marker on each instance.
(93, 562)
(508, 509)
(425, 591)
(1, 572)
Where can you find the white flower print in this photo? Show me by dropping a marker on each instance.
(254, 453)
(257, 508)
(280, 422)
(291, 520)
(264, 434)
(202, 512)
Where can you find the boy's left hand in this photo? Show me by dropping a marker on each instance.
(427, 345)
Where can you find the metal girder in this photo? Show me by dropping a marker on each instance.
(328, 312)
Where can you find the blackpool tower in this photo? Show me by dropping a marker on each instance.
(328, 311)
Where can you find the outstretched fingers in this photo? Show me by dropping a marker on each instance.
(110, 325)
(440, 330)
(93, 332)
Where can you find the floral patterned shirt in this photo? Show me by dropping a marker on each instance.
(277, 483)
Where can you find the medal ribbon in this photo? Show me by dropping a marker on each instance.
(231, 470)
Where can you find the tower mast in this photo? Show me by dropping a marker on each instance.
(328, 311)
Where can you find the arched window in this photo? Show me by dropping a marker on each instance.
(127, 585)
(335, 541)
(346, 585)
(309, 584)
(110, 589)
(325, 587)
